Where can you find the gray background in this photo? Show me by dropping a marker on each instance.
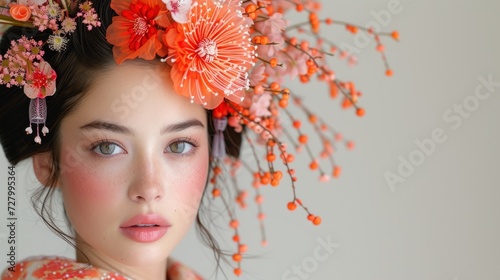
(441, 223)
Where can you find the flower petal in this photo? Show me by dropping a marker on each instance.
(179, 9)
(31, 91)
(50, 89)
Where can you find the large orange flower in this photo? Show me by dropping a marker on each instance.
(135, 32)
(211, 54)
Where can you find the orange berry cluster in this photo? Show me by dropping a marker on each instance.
(275, 165)
(315, 22)
(270, 175)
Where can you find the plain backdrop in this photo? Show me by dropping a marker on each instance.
(440, 221)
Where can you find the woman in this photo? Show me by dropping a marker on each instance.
(150, 96)
(131, 174)
(131, 184)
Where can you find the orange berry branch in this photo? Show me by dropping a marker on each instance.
(262, 125)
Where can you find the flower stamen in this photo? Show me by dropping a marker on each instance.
(140, 26)
(207, 49)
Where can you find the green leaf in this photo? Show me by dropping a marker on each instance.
(10, 21)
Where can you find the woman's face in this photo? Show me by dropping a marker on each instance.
(134, 163)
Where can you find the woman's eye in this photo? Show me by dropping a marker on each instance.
(108, 149)
(179, 147)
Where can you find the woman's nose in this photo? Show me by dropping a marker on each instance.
(146, 184)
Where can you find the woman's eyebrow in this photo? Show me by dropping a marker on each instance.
(182, 125)
(106, 126)
(175, 127)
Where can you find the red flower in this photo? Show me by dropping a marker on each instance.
(211, 53)
(136, 29)
(42, 82)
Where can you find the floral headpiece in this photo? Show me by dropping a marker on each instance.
(23, 64)
(231, 56)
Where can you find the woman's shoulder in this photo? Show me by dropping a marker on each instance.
(55, 268)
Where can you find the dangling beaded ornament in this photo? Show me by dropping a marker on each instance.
(38, 115)
(218, 146)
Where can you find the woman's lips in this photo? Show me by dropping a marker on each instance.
(145, 228)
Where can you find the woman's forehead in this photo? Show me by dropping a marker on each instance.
(136, 93)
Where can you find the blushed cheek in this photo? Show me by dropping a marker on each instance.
(195, 183)
(84, 192)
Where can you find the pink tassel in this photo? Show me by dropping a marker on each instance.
(37, 116)
(218, 145)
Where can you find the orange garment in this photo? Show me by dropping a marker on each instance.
(56, 268)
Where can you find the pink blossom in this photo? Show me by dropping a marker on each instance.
(275, 24)
(91, 20)
(179, 9)
(89, 15)
(324, 178)
(22, 55)
(260, 105)
(285, 5)
(68, 25)
(295, 62)
(257, 75)
(352, 60)
(42, 82)
(40, 17)
(53, 25)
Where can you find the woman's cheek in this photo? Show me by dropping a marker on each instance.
(192, 184)
(198, 175)
(85, 189)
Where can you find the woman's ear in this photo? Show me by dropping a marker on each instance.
(42, 165)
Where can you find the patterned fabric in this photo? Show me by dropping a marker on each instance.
(55, 268)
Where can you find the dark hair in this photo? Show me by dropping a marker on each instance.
(87, 54)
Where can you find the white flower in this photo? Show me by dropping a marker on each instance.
(53, 11)
(179, 9)
(45, 130)
(57, 42)
(29, 130)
